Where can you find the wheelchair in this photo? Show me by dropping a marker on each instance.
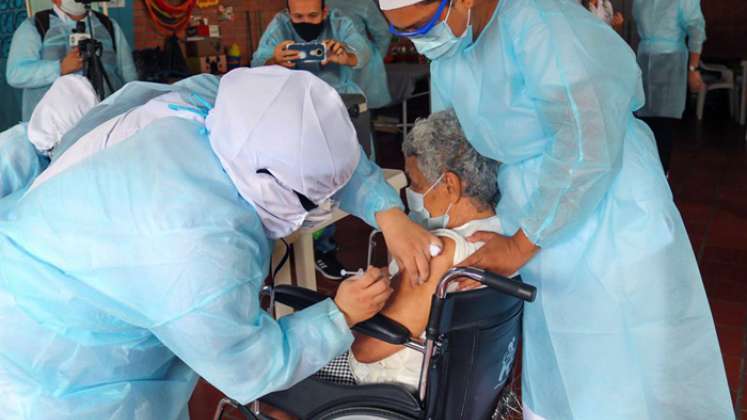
(468, 357)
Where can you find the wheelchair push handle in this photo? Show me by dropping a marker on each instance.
(502, 284)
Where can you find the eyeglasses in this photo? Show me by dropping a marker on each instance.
(423, 29)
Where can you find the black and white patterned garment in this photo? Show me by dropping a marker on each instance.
(337, 371)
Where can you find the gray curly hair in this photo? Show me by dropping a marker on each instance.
(439, 145)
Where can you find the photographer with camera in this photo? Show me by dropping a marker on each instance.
(43, 50)
(300, 30)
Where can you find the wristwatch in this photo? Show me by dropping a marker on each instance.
(693, 69)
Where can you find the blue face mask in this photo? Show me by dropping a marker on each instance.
(420, 215)
(440, 42)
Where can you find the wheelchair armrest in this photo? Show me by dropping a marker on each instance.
(297, 297)
(379, 327)
(384, 329)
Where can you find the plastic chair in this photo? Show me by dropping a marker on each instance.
(716, 77)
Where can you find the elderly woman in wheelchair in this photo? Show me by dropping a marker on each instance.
(453, 193)
(431, 353)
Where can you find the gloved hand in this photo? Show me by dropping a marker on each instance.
(360, 298)
(284, 56)
(337, 53)
(409, 243)
(503, 255)
(72, 62)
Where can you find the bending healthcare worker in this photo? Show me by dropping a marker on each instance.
(40, 51)
(24, 148)
(621, 328)
(672, 34)
(129, 274)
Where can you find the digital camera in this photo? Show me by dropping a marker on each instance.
(79, 34)
(309, 52)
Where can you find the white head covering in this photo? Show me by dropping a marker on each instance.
(293, 125)
(396, 4)
(59, 110)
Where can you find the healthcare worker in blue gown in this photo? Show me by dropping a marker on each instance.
(621, 328)
(672, 34)
(132, 271)
(371, 24)
(37, 58)
(313, 21)
(25, 147)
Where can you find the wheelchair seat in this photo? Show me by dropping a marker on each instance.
(478, 331)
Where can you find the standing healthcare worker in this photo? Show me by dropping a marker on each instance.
(621, 328)
(371, 24)
(40, 51)
(672, 33)
(130, 273)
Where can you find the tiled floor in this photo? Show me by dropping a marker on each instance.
(709, 182)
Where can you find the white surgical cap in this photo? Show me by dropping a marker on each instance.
(59, 110)
(290, 123)
(396, 4)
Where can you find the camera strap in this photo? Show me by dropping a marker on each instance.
(41, 21)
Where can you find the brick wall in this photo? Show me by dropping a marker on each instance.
(250, 19)
(727, 25)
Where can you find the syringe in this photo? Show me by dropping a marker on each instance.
(346, 273)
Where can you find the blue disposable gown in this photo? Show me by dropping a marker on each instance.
(371, 23)
(19, 161)
(130, 274)
(337, 27)
(668, 30)
(621, 327)
(33, 64)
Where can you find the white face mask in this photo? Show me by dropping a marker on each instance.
(72, 8)
(440, 41)
(420, 215)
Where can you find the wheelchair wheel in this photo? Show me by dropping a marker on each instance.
(361, 414)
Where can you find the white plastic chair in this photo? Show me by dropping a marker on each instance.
(724, 80)
(743, 100)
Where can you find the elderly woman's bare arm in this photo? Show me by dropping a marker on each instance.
(410, 306)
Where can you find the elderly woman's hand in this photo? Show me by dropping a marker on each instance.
(503, 255)
(408, 243)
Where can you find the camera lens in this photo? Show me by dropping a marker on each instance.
(317, 52)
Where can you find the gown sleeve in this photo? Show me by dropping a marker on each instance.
(237, 347)
(125, 63)
(354, 41)
(367, 192)
(585, 108)
(25, 68)
(694, 23)
(272, 36)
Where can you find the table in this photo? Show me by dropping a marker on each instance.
(302, 242)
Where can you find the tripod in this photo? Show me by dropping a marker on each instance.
(91, 50)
